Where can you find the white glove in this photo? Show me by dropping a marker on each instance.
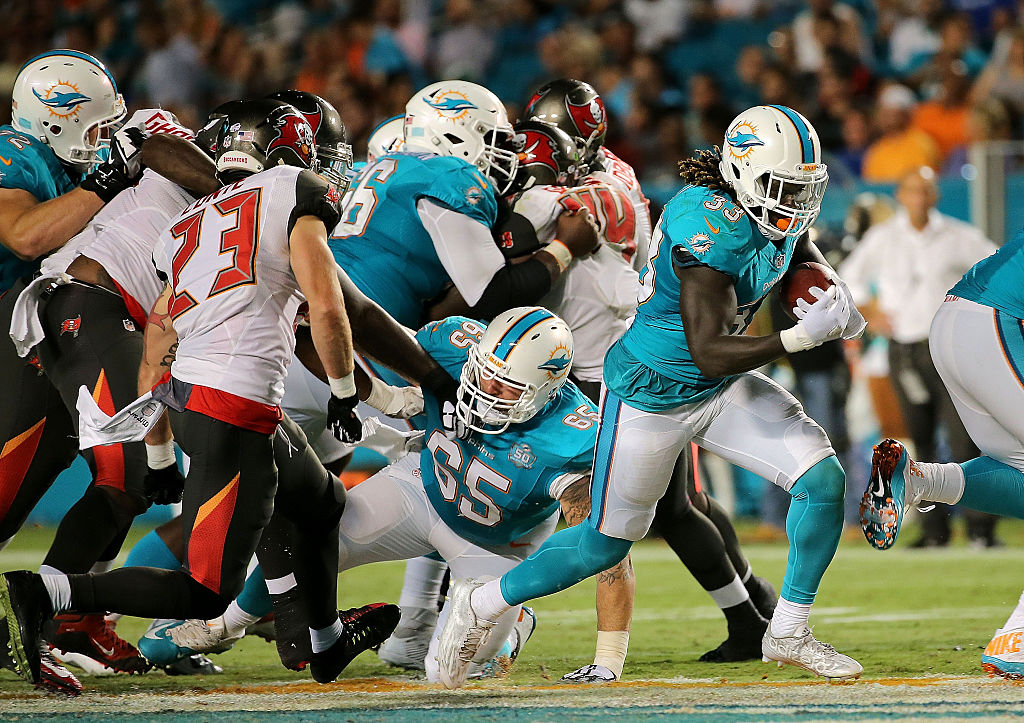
(400, 402)
(822, 321)
(855, 326)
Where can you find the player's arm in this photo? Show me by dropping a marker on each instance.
(180, 162)
(616, 587)
(30, 228)
(485, 283)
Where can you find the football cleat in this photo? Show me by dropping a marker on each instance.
(197, 664)
(93, 636)
(24, 607)
(462, 635)
(263, 628)
(291, 631)
(362, 628)
(590, 674)
(54, 677)
(742, 644)
(803, 651)
(158, 646)
(407, 646)
(886, 497)
(501, 663)
(201, 636)
(1004, 655)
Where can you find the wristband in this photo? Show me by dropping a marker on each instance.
(159, 456)
(344, 387)
(561, 253)
(611, 650)
(796, 339)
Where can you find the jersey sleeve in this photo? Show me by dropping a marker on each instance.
(448, 341)
(465, 190)
(699, 236)
(313, 197)
(23, 169)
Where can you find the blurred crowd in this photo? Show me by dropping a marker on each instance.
(889, 84)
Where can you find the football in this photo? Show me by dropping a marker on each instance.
(797, 283)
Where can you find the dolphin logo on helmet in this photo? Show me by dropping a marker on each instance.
(68, 101)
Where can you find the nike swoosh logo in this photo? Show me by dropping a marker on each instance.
(151, 634)
(519, 544)
(713, 229)
(880, 489)
(4, 161)
(104, 650)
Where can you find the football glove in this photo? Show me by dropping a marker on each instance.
(399, 402)
(343, 420)
(822, 321)
(855, 326)
(164, 486)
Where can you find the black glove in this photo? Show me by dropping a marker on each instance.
(164, 486)
(446, 390)
(121, 169)
(343, 420)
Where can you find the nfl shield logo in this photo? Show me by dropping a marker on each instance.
(129, 325)
(780, 260)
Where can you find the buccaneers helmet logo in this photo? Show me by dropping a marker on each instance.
(538, 150)
(588, 117)
(293, 132)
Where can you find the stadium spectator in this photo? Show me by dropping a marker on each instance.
(856, 132)
(901, 148)
(944, 117)
(658, 22)
(825, 25)
(1004, 79)
(915, 34)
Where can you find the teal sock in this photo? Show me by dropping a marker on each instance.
(991, 486)
(151, 551)
(255, 598)
(565, 558)
(814, 525)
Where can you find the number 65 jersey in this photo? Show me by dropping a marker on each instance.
(235, 296)
(492, 489)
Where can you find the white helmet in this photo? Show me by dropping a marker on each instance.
(465, 120)
(385, 138)
(772, 159)
(528, 349)
(60, 97)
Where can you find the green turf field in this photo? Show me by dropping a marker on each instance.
(905, 614)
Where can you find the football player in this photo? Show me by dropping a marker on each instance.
(977, 344)
(682, 372)
(62, 102)
(277, 223)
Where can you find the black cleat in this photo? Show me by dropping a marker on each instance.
(762, 594)
(363, 628)
(24, 607)
(54, 677)
(291, 631)
(743, 643)
(197, 664)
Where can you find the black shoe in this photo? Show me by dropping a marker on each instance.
(291, 631)
(362, 628)
(742, 644)
(926, 541)
(197, 664)
(762, 594)
(24, 607)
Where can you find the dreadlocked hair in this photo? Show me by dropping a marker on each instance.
(702, 170)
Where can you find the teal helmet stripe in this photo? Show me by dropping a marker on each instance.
(74, 54)
(384, 123)
(804, 133)
(520, 329)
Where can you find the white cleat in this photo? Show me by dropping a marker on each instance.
(201, 636)
(1004, 655)
(462, 636)
(407, 647)
(803, 651)
(590, 674)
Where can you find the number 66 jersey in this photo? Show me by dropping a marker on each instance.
(235, 296)
(492, 489)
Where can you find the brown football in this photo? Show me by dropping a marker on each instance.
(797, 283)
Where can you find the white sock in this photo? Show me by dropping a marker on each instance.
(488, 602)
(236, 620)
(789, 618)
(102, 566)
(281, 585)
(58, 587)
(1016, 619)
(325, 637)
(748, 574)
(936, 482)
(49, 570)
(728, 595)
(422, 585)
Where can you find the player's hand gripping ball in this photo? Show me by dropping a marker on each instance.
(799, 280)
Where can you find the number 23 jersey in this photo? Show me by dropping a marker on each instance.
(235, 295)
(493, 488)
(651, 366)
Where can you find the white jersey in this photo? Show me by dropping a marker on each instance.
(235, 295)
(597, 295)
(619, 174)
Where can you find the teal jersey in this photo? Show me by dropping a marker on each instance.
(32, 166)
(650, 366)
(380, 241)
(494, 488)
(997, 281)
